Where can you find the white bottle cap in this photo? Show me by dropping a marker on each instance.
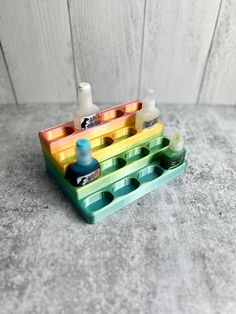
(176, 142)
(149, 100)
(85, 95)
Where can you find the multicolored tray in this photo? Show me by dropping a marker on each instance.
(130, 162)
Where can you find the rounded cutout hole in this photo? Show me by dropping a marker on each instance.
(111, 115)
(97, 201)
(112, 165)
(66, 156)
(58, 133)
(149, 173)
(133, 107)
(124, 133)
(100, 142)
(125, 186)
(136, 153)
(158, 143)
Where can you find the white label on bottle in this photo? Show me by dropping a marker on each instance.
(89, 121)
(88, 178)
(150, 123)
(176, 161)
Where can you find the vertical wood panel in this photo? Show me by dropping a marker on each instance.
(219, 85)
(36, 39)
(6, 93)
(107, 38)
(176, 43)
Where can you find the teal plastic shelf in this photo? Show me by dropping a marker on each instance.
(123, 180)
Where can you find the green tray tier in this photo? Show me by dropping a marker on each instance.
(100, 199)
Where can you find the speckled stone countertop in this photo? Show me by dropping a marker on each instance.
(171, 251)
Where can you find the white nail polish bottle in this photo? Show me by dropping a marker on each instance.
(148, 116)
(85, 115)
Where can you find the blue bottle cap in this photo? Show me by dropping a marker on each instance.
(83, 152)
(83, 143)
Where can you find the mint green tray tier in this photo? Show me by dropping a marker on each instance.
(124, 178)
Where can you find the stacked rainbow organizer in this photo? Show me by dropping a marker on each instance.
(129, 160)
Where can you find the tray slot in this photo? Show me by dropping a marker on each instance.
(125, 186)
(112, 165)
(111, 115)
(158, 143)
(149, 173)
(67, 156)
(136, 154)
(124, 133)
(100, 142)
(59, 132)
(98, 201)
(133, 107)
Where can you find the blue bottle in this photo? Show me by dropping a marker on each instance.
(86, 168)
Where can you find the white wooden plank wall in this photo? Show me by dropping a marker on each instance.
(184, 49)
(219, 85)
(107, 39)
(36, 41)
(6, 92)
(176, 42)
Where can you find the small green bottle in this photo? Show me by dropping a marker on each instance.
(175, 153)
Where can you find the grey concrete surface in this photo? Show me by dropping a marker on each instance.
(171, 251)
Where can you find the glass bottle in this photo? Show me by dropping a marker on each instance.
(148, 116)
(85, 115)
(86, 168)
(175, 153)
